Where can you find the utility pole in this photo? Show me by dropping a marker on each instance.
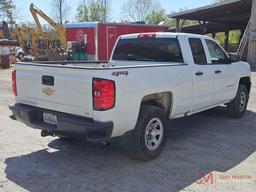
(252, 38)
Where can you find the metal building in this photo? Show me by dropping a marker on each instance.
(224, 17)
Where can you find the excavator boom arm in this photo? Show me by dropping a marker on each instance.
(60, 29)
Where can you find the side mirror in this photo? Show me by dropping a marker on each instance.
(234, 57)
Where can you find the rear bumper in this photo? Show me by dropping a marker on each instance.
(66, 124)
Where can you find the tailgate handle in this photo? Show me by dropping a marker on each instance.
(48, 80)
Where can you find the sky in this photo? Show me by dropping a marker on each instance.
(23, 14)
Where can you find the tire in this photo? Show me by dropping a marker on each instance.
(145, 142)
(237, 107)
(20, 56)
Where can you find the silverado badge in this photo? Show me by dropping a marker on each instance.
(48, 91)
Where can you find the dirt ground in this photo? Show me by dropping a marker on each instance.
(205, 152)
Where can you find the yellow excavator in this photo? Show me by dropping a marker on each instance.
(59, 28)
(31, 42)
(24, 35)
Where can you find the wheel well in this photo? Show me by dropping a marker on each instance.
(247, 82)
(162, 100)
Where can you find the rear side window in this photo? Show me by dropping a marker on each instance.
(148, 49)
(197, 51)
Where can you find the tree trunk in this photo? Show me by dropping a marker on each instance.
(60, 12)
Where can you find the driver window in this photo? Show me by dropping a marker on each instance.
(218, 56)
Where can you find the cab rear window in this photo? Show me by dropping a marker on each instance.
(148, 49)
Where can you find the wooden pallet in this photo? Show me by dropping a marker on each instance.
(242, 50)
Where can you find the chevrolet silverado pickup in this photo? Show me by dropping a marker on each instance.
(151, 78)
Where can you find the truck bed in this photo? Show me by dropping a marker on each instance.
(70, 63)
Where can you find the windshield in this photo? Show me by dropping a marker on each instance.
(148, 49)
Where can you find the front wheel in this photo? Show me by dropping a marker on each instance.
(237, 107)
(147, 140)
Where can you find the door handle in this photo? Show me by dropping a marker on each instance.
(48, 80)
(217, 71)
(199, 73)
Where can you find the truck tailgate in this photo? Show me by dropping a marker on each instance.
(63, 89)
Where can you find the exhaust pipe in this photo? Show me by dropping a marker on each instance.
(45, 133)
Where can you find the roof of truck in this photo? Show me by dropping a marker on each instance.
(162, 35)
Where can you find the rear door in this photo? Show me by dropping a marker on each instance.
(224, 74)
(60, 89)
(203, 76)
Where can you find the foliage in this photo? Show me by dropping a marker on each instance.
(96, 10)
(6, 11)
(139, 10)
(82, 13)
(60, 10)
(233, 37)
(156, 17)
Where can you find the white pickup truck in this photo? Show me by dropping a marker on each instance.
(151, 77)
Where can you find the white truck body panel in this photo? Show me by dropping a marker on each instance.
(189, 93)
(67, 94)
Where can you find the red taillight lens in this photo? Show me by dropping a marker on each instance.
(103, 94)
(14, 85)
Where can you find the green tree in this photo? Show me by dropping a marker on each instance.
(6, 11)
(82, 13)
(156, 17)
(138, 10)
(159, 16)
(233, 37)
(96, 10)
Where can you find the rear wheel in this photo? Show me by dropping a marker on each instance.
(20, 56)
(147, 140)
(237, 107)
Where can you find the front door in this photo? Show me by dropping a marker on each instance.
(224, 74)
(111, 39)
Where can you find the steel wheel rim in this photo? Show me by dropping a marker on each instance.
(154, 134)
(242, 101)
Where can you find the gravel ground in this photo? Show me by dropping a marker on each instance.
(205, 152)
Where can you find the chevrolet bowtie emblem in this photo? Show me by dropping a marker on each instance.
(48, 91)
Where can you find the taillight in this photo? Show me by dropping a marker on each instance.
(14, 85)
(103, 94)
(147, 35)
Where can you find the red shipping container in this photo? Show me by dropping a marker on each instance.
(100, 37)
